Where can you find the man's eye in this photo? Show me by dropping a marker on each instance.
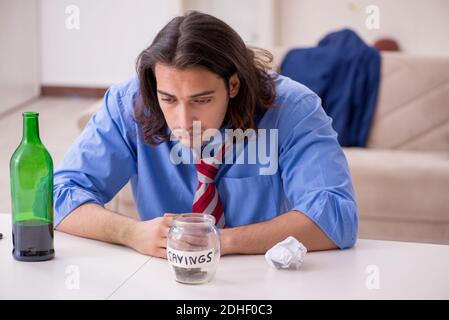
(168, 100)
(202, 101)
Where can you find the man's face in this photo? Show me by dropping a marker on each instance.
(193, 94)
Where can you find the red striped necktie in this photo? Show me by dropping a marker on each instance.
(207, 199)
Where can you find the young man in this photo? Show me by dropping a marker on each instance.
(198, 70)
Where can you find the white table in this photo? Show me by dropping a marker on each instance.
(371, 270)
(101, 267)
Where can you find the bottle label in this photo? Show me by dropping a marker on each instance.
(190, 259)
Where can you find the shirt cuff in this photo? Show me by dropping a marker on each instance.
(337, 217)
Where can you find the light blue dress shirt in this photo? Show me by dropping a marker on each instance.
(312, 177)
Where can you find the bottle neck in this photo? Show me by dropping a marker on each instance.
(31, 127)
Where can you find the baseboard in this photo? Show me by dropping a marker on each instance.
(67, 91)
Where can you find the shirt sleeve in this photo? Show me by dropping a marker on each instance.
(315, 173)
(99, 163)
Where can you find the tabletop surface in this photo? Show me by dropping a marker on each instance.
(88, 269)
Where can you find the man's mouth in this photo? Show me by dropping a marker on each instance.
(181, 134)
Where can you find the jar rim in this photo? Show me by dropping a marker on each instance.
(195, 218)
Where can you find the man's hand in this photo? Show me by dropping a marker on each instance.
(150, 237)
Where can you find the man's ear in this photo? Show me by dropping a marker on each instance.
(234, 85)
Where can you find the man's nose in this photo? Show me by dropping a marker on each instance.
(185, 117)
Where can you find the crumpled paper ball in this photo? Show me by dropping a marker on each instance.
(287, 254)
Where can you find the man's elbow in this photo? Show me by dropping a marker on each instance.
(350, 231)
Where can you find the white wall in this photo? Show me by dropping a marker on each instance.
(252, 19)
(19, 62)
(420, 26)
(113, 32)
(103, 51)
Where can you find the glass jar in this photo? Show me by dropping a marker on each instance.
(193, 248)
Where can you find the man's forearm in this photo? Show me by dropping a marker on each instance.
(259, 237)
(95, 222)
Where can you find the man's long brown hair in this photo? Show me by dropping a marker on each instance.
(201, 40)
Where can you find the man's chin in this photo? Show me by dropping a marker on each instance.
(185, 142)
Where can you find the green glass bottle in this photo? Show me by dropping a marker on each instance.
(31, 171)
